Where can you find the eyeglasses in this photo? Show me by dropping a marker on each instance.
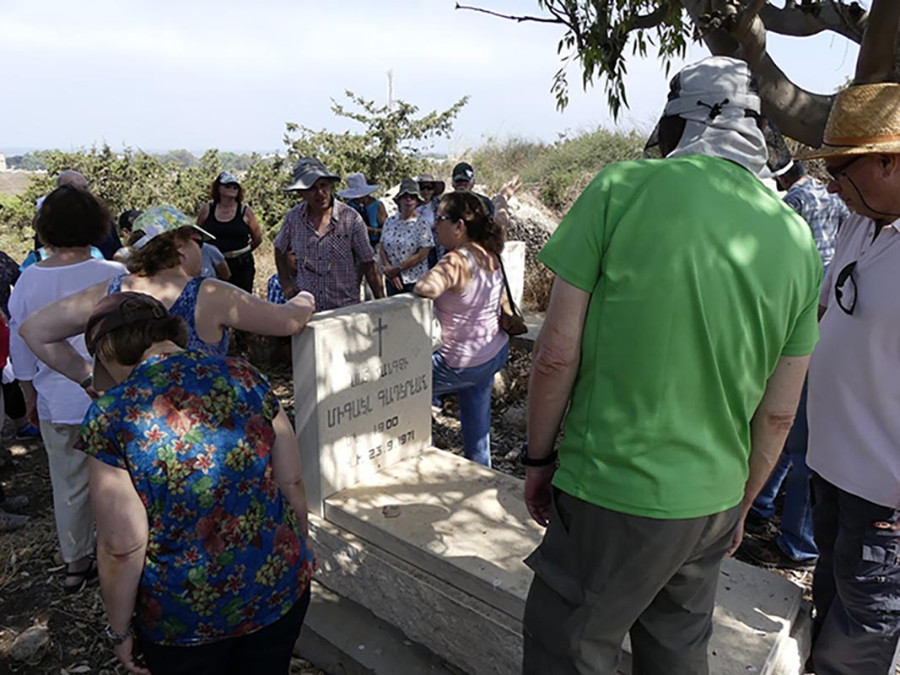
(438, 219)
(426, 186)
(837, 171)
(839, 291)
(231, 186)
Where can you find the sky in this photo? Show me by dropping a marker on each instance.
(198, 74)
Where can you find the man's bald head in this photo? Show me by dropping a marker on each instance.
(71, 177)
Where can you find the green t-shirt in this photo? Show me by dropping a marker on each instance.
(700, 279)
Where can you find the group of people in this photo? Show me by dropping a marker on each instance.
(688, 304)
(174, 470)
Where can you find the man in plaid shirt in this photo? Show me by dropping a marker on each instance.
(329, 240)
(823, 211)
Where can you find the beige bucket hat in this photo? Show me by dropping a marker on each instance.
(864, 119)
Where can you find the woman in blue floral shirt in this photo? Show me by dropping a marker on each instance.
(199, 500)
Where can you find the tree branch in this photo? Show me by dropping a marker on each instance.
(847, 20)
(519, 19)
(796, 112)
(651, 20)
(876, 53)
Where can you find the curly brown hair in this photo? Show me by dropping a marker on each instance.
(70, 216)
(214, 192)
(160, 253)
(480, 226)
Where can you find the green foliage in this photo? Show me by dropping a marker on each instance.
(598, 35)
(15, 214)
(555, 172)
(391, 146)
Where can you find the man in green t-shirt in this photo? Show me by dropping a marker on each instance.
(678, 335)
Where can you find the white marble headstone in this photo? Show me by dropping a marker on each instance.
(362, 388)
(514, 264)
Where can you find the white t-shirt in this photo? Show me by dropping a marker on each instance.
(59, 400)
(210, 256)
(854, 375)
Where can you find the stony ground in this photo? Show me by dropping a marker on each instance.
(31, 582)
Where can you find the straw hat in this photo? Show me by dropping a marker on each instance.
(864, 119)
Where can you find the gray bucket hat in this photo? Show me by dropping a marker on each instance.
(306, 172)
(409, 186)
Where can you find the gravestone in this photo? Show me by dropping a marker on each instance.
(362, 391)
(514, 264)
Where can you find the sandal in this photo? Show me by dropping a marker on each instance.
(84, 575)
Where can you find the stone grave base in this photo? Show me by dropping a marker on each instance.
(433, 546)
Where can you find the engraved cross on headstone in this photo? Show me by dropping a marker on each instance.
(379, 330)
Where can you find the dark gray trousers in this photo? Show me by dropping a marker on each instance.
(600, 575)
(856, 585)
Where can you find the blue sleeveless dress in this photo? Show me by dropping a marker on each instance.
(185, 307)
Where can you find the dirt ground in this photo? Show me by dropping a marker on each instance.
(31, 582)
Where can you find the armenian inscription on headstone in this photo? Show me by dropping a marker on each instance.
(362, 389)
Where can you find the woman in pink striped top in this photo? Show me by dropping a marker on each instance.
(466, 286)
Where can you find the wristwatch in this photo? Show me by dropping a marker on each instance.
(115, 639)
(525, 460)
(87, 382)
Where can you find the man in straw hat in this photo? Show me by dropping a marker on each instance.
(854, 389)
(678, 334)
(328, 240)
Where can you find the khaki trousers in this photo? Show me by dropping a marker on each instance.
(601, 574)
(71, 497)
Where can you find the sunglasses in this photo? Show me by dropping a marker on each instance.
(231, 186)
(426, 186)
(837, 171)
(841, 289)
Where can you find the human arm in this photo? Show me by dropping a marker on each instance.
(370, 271)
(501, 202)
(769, 428)
(255, 231)
(365, 256)
(223, 272)
(447, 275)
(287, 470)
(382, 213)
(287, 273)
(221, 304)
(413, 260)
(47, 331)
(203, 214)
(555, 361)
(122, 536)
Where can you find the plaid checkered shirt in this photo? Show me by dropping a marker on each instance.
(823, 212)
(328, 264)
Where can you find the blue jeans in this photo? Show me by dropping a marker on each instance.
(474, 388)
(796, 538)
(856, 585)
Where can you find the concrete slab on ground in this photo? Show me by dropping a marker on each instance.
(467, 526)
(344, 638)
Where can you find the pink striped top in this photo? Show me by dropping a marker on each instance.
(470, 321)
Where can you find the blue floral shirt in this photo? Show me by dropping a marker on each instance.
(225, 556)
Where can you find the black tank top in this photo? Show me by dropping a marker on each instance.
(231, 236)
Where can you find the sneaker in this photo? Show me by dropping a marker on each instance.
(759, 526)
(28, 431)
(16, 503)
(769, 554)
(11, 521)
